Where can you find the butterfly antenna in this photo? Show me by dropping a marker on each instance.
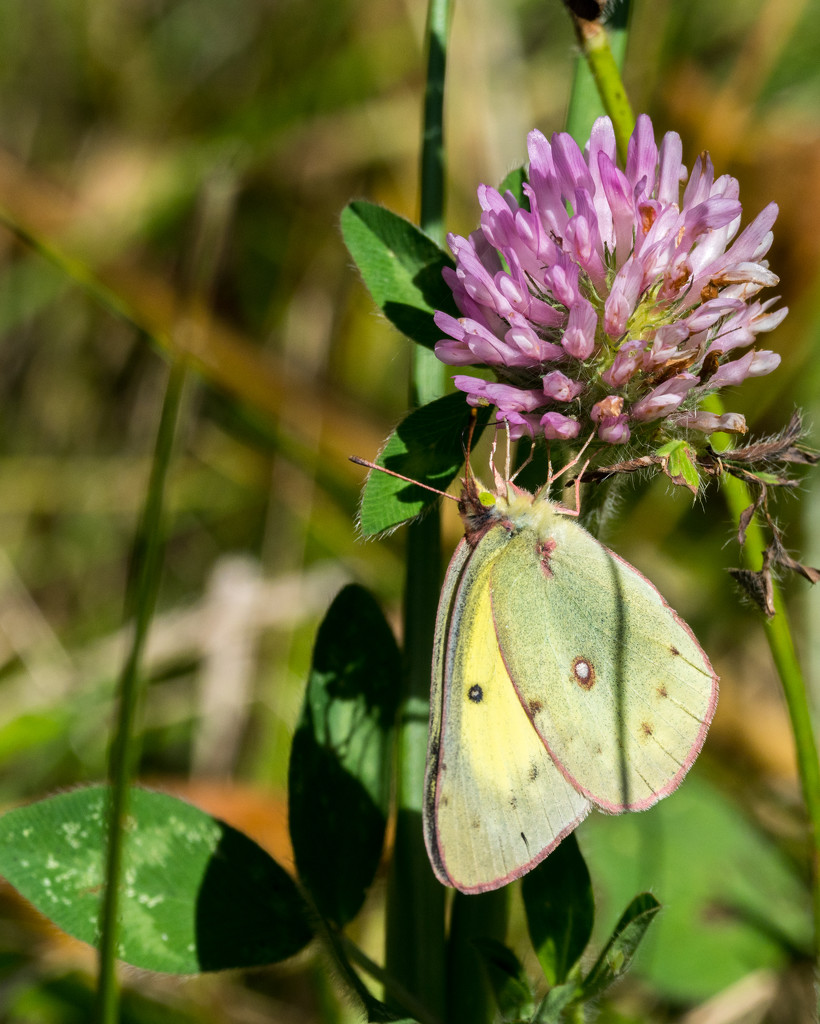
(468, 444)
(400, 476)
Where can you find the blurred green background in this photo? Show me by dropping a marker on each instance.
(191, 159)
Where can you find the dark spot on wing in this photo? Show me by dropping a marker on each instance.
(525, 841)
(513, 802)
(544, 550)
(532, 774)
(475, 824)
(646, 728)
(476, 694)
(662, 691)
(583, 672)
(674, 650)
(535, 706)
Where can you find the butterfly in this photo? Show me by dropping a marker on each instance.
(562, 680)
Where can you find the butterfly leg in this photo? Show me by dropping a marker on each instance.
(573, 462)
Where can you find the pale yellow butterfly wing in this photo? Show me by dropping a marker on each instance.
(495, 804)
(611, 677)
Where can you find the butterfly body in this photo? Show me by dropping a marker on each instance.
(562, 680)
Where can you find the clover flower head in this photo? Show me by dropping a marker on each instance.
(611, 300)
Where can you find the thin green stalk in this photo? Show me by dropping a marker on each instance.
(415, 943)
(482, 915)
(779, 637)
(415, 907)
(585, 104)
(427, 375)
(123, 756)
(431, 198)
(410, 1003)
(415, 910)
(604, 68)
(79, 272)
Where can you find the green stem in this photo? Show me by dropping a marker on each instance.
(604, 68)
(779, 637)
(585, 102)
(428, 375)
(406, 999)
(81, 275)
(431, 199)
(478, 916)
(415, 909)
(123, 755)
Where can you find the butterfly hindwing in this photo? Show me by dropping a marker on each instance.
(612, 679)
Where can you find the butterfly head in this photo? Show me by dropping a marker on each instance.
(481, 509)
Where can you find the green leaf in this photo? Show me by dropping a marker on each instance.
(339, 775)
(401, 267)
(617, 955)
(508, 980)
(198, 896)
(679, 460)
(551, 1010)
(427, 446)
(560, 909)
(699, 851)
(514, 182)
(33, 730)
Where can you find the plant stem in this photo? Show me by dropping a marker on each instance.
(123, 755)
(585, 101)
(478, 916)
(427, 375)
(415, 909)
(779, 637)
(605, 71)
(431, 197)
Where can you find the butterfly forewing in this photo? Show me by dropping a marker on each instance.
(495, 804)
(612, 679)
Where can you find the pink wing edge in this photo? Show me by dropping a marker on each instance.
(518, 872)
